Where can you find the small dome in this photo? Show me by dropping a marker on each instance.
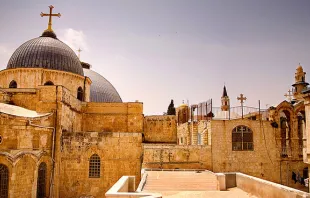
(101, 90)
(46, 52)
(183, 105)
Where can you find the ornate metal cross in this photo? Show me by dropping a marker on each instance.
(50, 15)
(242, 99)
(289, 95)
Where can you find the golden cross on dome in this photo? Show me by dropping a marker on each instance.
(79, 55)
(50, 15)
(289, 95)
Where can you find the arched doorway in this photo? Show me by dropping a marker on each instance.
(285, 126)
(4, 181)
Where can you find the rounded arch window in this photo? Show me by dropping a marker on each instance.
(242, 139)
(13, 84)
(94, 166)
(49, 83)
(80, 94)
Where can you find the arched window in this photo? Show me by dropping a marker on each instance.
(242, 139)
(13, 84)
(4, 181)
(49, 83)
(80, 94)
(41, 182)
(94, 166)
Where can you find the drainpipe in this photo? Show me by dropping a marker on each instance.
(84, 91)
(53, 145)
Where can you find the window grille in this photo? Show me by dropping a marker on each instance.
(242, 139)
(94, 166)
(4, 181)
(41, 182)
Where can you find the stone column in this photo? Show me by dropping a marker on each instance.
(307, 131)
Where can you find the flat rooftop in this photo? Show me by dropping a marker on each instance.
(173, 184)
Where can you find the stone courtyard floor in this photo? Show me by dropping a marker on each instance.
(230, 193)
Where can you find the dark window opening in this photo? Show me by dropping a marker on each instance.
(49, 83)
(242, 139)
(80, 94)
(4, 181)
(13, 84)
(94, 166)
(41, 182)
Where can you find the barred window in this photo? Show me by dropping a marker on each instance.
(4, 181)
(94, 166)
(242, 139)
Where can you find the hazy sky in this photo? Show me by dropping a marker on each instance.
(155, 51)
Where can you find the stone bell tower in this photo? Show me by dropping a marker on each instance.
(225, 100)
(300, 82)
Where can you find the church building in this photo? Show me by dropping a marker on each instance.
(65, 131)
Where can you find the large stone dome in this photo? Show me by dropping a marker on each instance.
(46, 52)
(101, 90)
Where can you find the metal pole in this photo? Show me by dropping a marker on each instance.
(259, 110)
(242, 109)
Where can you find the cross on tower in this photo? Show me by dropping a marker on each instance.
(242, 99)
(289, 95)
(79, 55)
(50, 15)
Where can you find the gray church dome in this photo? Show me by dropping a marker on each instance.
(46, 52)
(101, 90)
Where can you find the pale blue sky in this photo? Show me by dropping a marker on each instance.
(154, 51)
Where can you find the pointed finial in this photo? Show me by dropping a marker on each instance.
(79, 54)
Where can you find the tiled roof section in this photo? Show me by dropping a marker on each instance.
(48, 53)
(101, 90)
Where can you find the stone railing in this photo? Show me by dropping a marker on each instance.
(261, 188)
(125, 188)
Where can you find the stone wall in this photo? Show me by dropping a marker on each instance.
(34, 77)
(204, 129)
(263, 162)
(183, 134)
(16, 133)
(113, 117)
(160, 129)
(120, 154)
(167, 156)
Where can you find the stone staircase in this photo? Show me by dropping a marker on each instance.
(159, 181)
